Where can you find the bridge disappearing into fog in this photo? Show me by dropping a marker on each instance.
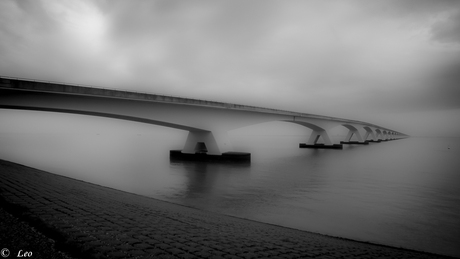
(206, 121)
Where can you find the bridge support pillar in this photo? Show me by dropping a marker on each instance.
(313, 141)
(369, 132)
(385, 136)
(314, 137)
(350, 134)
(215, 142)
(209, 145)
(379, 135)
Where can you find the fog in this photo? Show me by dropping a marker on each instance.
(391, 63)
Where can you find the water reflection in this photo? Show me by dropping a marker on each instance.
(207, 183)
(202, 177)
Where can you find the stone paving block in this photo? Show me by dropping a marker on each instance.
(98, 255)
(167, 256)
(85, 239)
(174, 250)
(203, 254)
(163, 246)
(117, 254)
(142, 246)
(105, 249)
(216, 253)
(113, 242)
(151, 241)
(229, 256)
(248, 255)
(154, 251)
(167, 240)
(125, 247)
(136, 252)
(234, 250)
(131, 241)
(141, 237)
(112, 232)
(190, 249)
(185, 256)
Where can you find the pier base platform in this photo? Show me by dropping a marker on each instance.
(225, 157)
(333, 146)
(373, 141)
(354, 142)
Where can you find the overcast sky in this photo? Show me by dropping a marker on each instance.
(392, 63)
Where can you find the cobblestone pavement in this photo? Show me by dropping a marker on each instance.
(92, 221)
(20, 237)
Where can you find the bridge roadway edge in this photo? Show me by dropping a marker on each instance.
(13, 83)
(93, 221)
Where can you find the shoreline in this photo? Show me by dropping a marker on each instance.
(90, 220)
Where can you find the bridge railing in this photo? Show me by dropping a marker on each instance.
(51, 86)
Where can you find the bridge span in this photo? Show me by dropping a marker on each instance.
(206, 121)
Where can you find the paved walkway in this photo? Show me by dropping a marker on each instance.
(88, 220)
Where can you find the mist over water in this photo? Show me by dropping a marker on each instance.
(402, 193)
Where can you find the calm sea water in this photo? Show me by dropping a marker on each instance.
(402, 193)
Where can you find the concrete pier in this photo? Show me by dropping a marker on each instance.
(354, 142)
(225, 157)
(373, 141)
(321, 146)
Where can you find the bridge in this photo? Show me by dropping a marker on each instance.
(207, 122)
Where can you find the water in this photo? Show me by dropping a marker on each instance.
(402, 193)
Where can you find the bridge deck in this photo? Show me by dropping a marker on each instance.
(55, 87)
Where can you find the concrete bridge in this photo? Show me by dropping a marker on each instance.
(206, 121)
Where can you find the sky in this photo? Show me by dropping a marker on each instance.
(391, 63)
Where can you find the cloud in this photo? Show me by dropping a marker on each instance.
(409, 9)
(441, 18)
(445, 88)
(353, 58)
(448, 29)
